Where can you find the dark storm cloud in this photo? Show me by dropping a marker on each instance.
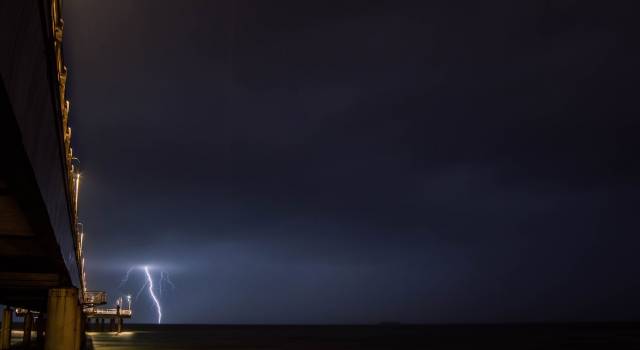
(359, 162)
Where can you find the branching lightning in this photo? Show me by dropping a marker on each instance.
(160, 283)
(126, 277)
(149, 285)
(153, 295)
(140, 291)
(166, 278)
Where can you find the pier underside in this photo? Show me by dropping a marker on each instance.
(30, 258)
(37, 241)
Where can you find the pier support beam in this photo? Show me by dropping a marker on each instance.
(63, 313)
(40, 325)
(112, 324)
(118, 320)
(79, 328)
(27, 327)
(102, 325)
(5, 336)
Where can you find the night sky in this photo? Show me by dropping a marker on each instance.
(360, 161)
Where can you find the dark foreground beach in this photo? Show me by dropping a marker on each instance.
(529, 336)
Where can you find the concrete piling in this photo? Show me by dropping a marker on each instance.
(63, 313)
(5, 336)
(118, 320)
(27, 327)
(79, 328)
(40, 326)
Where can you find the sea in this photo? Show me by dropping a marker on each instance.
(383, 336)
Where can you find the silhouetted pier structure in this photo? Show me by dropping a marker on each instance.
(116, 317)
(42, 275)
(91, 311)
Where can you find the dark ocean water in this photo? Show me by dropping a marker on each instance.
(556, 336)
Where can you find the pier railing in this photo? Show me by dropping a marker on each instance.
(100, 312)
(21, 312)
(63, 106)
(95, 298)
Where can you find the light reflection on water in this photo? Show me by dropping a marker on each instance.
(211, 337)
(162, 338)
(138, 340)
(195, 337)
(529, 336)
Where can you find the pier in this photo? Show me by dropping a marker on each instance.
(116, 317)
(42, 262)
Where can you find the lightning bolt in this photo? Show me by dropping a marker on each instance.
(149, 285)
(166, 278)
(153, 295)
(126, 277)
(140, 291)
